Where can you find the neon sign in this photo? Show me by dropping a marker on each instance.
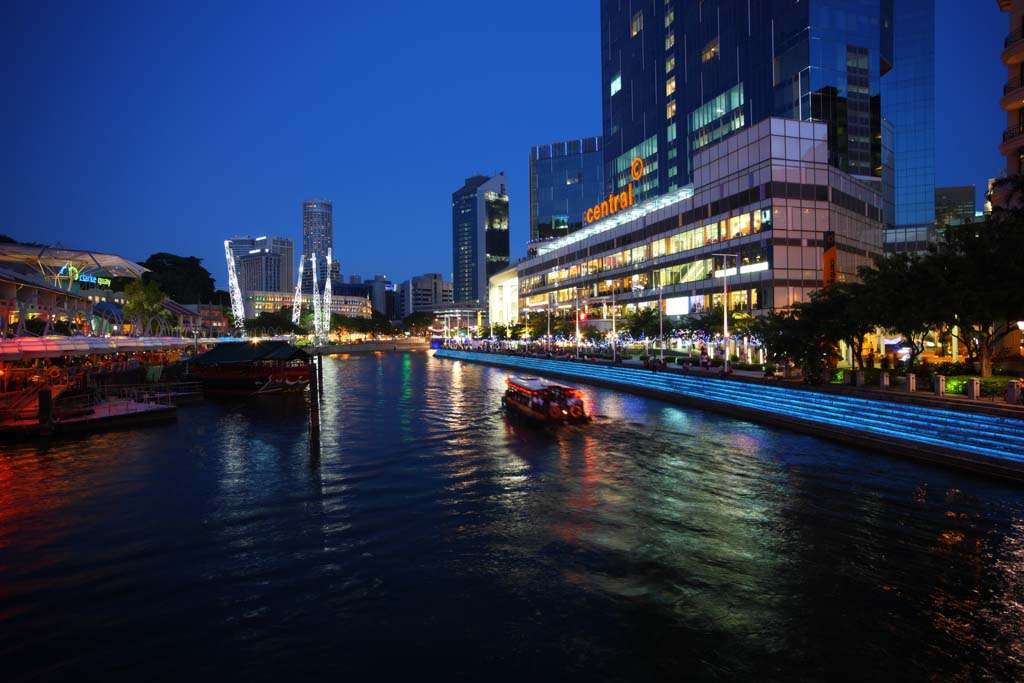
(617, 202)
(74, 274)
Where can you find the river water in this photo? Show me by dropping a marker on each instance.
(432, 539)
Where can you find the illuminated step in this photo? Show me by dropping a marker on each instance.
(969, 432)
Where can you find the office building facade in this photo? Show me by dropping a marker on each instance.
(954, 205)
(480, 241)
(422, 294)
(766, 204)
(679, 75)
(564, 179)
(272, 302)
(264, 263)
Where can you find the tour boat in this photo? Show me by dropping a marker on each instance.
(251, 368)
(543, 401)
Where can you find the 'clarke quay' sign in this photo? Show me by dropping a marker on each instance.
(617, 202)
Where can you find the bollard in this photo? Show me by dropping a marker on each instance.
(974, 388)
(858, 378)
(1013, 389)
(940, 385)
(883, 380)
(911, 382)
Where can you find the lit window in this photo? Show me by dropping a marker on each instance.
(670, 110)
(670, 40)
(670, 87)
(711, 50)
(670, 63)
(637, 24)
(616, 85)
(669, 16)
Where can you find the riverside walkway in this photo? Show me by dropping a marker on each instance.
(979, 442)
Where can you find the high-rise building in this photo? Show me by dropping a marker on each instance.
(954, 205)
(679, 75)
(480, 245)
(769, 222)
(423, 294)
(1012, 146)
(564, 179)
(382, 296)
(317, 238)
(240, 246)
(264, 263)
(908, 102)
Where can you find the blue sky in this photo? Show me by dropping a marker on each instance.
(161, 126)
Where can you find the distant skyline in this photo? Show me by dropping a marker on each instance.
(165, 127)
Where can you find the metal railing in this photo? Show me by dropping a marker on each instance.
(1013, 38)
(1011, 85)
(1012, 132)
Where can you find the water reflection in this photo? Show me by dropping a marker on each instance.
(434, 533)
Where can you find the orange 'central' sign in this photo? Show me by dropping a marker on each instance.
(620, 201)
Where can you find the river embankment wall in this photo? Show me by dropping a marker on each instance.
(981, 443)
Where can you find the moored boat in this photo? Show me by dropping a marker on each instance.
(251, 369)
(543, 401)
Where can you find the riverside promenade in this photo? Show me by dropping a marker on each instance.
(968, 439)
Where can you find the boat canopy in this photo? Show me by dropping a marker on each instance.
(21, 348)
(251, 352)
(533, 383)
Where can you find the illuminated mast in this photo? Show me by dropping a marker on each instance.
(237, 309)
(316, 300)
(297, 301)
(325, 329)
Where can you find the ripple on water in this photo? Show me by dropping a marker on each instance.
(433, 534)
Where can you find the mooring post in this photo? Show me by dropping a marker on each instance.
(320, 373)
(314, 412)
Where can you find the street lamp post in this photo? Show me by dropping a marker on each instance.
(548, 339)
(725, 305)
(577, 323)
(661, 328)
(611, 283)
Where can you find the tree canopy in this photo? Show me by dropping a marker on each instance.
(182, 278)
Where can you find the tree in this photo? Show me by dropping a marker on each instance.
(418, 323)
(901, 292)
(183, 278)
(846, 314)
(144, 299)
(642, 322)
(273, 323)
(982, 266)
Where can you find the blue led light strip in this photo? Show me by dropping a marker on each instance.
(984, 435)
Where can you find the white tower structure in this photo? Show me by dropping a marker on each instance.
(297, 301)
(237, 305)
(325, 328)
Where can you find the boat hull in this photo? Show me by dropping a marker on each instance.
(252, 381)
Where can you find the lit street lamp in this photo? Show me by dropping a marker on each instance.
(725, 305)
(661, 328)
(611, 283)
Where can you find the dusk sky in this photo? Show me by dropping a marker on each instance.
(142, 127)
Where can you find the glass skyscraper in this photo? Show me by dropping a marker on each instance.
(908, 101)
(317, 238)
(564, 179)
(679, 75)
(480, 244)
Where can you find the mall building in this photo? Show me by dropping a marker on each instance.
(764, 199)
